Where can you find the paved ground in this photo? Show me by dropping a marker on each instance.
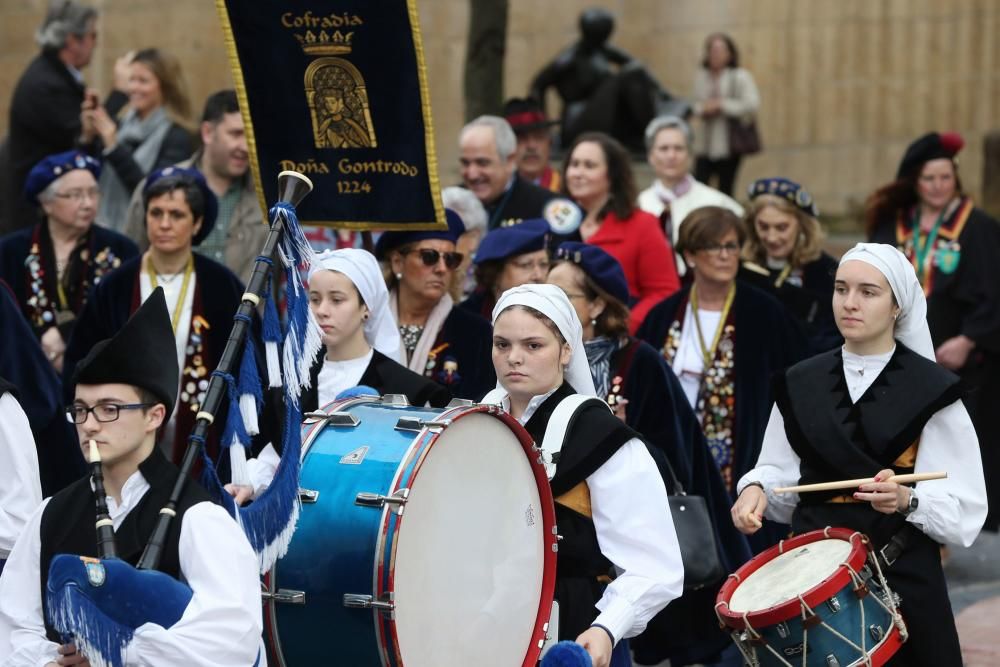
(974, 586)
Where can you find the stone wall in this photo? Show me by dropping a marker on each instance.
(845, 84)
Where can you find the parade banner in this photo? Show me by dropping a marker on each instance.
(336, 89)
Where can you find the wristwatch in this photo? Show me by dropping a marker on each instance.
(911, 505)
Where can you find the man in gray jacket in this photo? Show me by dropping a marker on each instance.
(239, 231)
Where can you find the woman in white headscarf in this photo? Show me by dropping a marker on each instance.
(611, 504)
(350, 302)
(878, 407)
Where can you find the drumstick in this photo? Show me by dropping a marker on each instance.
(853, 483)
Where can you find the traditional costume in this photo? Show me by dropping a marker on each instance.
(496, 248)
(454, 347)
(805, 290)
(527, 115)
(48, 296)
(631, 369)
(202, 299)
(377, 369)
(607, 491)
(22, 492)
(956, 263)
(841, 415)
(24, 365)
(205, 548)
(754, 337)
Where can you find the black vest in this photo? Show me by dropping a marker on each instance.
(836, 438)
(68, 522)
(592, 437)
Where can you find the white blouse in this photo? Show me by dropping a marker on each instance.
(950, 510)
(221, 626)
(21, 491)
(689, 363)
(635, 531)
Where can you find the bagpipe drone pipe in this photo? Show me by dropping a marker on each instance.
(99, 603)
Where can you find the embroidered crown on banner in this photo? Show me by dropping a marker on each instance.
(327, 35)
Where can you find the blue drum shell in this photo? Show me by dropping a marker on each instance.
(333, 551)
(822, 642)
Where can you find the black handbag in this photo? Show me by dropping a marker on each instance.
(695, 534)
(743, 137)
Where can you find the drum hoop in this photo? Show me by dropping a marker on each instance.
(385, 571)
(310, 432)
(839, 579)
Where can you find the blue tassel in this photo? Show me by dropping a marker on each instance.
(272, 339)
(303, 338)
(96, 635)
(99, 604)
(249, 389)
(234, 431)
(269, 521)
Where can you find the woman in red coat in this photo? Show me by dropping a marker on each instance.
(599, 178)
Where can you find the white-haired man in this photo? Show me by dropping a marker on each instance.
(487, 148)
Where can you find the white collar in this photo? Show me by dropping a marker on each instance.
(133, 490)
(532, 407)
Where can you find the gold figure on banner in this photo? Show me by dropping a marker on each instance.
(338, 104)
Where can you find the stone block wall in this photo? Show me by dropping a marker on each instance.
(845, 84)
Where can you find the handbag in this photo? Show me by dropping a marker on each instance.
(695, 535)
(744, 139)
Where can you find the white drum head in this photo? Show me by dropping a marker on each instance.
(470, 551)
(791, 574)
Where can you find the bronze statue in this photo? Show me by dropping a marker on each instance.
(604, 88)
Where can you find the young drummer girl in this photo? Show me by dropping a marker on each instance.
(878, 407)
(611, 505)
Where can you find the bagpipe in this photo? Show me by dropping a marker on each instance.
(99, 603)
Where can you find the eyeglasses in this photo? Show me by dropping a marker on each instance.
(718, 248)
(431, 257)
(79, 195)
(103, 412)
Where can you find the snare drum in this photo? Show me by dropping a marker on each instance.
(817, 599)
(426, 539)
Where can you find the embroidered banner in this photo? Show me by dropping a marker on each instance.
(336, 89)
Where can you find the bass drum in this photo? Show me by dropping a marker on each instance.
(426, 539)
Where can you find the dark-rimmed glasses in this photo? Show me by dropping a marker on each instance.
(103, 412)
(716, 249)
(430, 257)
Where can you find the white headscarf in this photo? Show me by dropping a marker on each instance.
(911, 325)
(551, 301)
(362, 269)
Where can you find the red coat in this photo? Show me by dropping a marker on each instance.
(646, 257)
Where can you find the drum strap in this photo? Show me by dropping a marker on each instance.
(555, 432)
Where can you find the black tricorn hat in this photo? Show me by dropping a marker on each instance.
(143, 353)
(525, 114)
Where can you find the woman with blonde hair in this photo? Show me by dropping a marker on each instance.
(148, 137)
(784, 255)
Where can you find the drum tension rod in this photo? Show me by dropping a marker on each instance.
(417, 424)
(284, 595)
(332, 418)
(397, 500)
(357, 601)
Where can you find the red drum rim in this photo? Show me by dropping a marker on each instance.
(888, 648)
(826, 589)
(424, 443)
